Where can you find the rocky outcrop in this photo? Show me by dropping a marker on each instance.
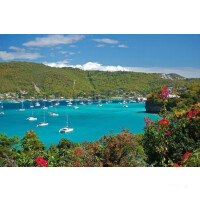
(152, 107)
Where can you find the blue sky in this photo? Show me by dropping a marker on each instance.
(143, 53)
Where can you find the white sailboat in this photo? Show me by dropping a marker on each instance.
(69, 103)
(57, 103)
(100, 104)
(23, 108)
(75, 107)
(51, 106)
(32, 118)
(37, 103)
(55, 114)
(31, 105)
(44, 123)
(66, 129)
(44, 107)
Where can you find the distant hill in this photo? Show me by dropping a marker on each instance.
(38, 78)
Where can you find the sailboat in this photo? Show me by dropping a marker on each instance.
(75, 107)
(32, 118)
(66, 129)
(57, 103)
(44, 107)
(54, 113)
(43, 123)
(51, 106)
(37, 103)
(69, 103)
(22, 109)
(99, 103)
(31, 106)
(1, 109)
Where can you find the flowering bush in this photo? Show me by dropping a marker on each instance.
(79, 159)
(40, 162)
(166, 140)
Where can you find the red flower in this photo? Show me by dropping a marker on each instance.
(40, 162)
(168, 132)
(164, 93)
(176, 165)
(195, 111)
(77, 164)
(164, 122)
(189, 115)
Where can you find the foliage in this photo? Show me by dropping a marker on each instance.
(114, 150)
(167, 140)
(19, 76)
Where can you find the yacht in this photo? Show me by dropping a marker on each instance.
(66, 129)
(32, 119)
(54, 114)
(75, 107)
(125, 106)
(31, 105)
(99, 103)
(69, 104)
(37, 103)
(44, 123)
(44, 107)
(22, 109)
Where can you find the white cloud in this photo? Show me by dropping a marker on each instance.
(18, 54)
(52, 40)
(122, 46)
(189, 72)
(57, 64)
(100, 45)
(106, 40)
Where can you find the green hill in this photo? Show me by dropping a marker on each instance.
(18, 76)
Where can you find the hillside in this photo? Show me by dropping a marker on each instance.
(34, 77)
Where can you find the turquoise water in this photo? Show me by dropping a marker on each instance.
(90, 122)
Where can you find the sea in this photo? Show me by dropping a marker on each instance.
(90, 122)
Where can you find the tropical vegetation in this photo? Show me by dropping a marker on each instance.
(41, 80)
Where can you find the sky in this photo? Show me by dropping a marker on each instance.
(120, 52)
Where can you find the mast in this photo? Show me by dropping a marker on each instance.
(44, 115)
(67, 117)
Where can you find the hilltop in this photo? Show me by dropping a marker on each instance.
(38, 78)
